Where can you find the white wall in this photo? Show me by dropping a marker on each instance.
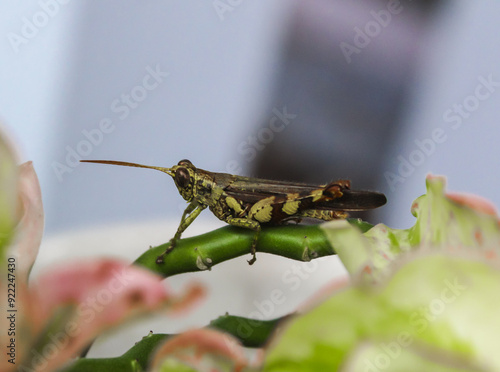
(80, 60)
(463, 48)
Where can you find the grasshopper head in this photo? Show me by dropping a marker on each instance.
(184, 178)
(183, 174)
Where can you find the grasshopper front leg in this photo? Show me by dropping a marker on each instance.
(248, 224)
(192, 211)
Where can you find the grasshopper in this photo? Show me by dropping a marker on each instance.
(251, 202)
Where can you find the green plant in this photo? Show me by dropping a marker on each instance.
(423, 298)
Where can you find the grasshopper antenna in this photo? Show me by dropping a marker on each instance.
(127, 164)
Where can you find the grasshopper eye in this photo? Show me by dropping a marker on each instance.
(182, 177)
(185, 162)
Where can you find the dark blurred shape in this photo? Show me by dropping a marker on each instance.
(346, 80)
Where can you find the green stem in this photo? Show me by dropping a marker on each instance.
(298, 242)
(250, 332)
(201, 252)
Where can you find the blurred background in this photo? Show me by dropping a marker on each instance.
(380, 92)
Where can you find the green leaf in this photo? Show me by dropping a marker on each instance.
(9, 201)
(441, 223)
(443, 306)
(174, 365)
(392, 358)
(423, 298)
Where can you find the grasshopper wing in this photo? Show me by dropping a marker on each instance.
(251, 190)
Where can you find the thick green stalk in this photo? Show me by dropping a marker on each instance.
(298, 242)
(250, 332)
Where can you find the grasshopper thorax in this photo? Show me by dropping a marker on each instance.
(184, 178)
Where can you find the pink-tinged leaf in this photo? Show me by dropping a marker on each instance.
(187, 300)
(75, 303)
(442, 220)
(9, 203)
(475, 202)
(203, 349)
(29, 231)
(432, 308)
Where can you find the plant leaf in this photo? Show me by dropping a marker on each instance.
(9, 202)
(441, 221)
(441, 305)
(200, 350)
(29, 231)
(71, 305)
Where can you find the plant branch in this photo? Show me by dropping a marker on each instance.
(250, 332)
(298, 242)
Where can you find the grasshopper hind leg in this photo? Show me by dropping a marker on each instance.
(248, 224)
